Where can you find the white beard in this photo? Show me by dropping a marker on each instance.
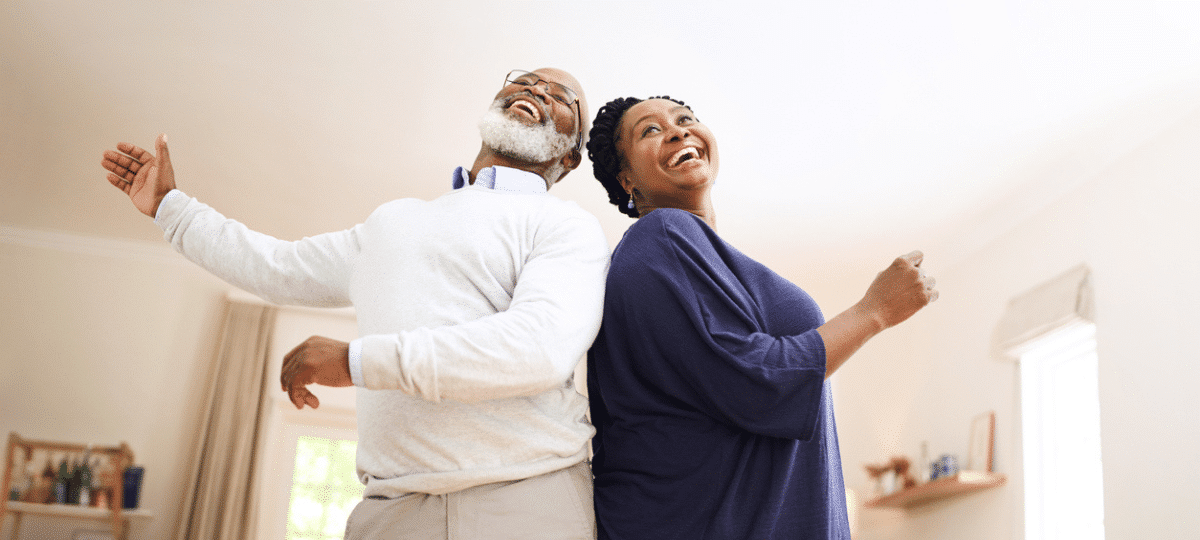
(510, 137)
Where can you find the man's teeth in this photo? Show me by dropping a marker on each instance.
(525, 106)
(684, 155)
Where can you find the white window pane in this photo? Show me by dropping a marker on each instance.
(1064, 496)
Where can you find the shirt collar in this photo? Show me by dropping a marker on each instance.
(499, 178)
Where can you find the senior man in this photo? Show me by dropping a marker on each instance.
(473, 310)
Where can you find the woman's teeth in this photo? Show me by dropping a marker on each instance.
(683, 155)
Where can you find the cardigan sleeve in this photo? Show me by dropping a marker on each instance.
(692, 309)
(314, 271)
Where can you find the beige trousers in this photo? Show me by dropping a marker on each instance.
(553, 506)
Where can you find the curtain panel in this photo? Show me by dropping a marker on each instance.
(220, 503)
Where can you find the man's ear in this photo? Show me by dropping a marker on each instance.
(571, 160)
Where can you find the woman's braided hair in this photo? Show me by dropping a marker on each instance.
(602, 149)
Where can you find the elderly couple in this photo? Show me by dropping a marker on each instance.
(707, 372)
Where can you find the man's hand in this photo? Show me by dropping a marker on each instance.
(899, 291)
(146, 178)
(319, 360)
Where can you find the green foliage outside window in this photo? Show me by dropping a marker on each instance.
(324, 489)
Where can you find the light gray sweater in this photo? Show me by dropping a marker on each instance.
(473, 308)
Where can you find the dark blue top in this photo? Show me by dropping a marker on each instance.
(707, 382)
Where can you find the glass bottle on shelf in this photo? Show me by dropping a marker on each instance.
(85, 479)
(73, 483)
(46, 488)
(61, 480)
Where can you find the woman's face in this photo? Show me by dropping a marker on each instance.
(669, 156)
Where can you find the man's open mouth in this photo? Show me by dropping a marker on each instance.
(529, 108)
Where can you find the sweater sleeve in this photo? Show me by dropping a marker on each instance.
(708, 339)
(314, 271)
(528, 348)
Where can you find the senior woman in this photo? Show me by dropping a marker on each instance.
(708, 380)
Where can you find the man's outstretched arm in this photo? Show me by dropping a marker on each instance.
(313, 271)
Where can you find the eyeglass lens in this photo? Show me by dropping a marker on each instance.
(556, 91)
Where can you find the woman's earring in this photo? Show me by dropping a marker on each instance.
(631, 203)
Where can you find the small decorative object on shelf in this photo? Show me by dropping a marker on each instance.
(133, 486)
(944, 466)
(983, 440)
(891, 476)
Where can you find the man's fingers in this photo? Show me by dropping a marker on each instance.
(294, 394)
(122, 165)
(121, 183)
(160, 145)
(136, 152)
(297, 392)
(287, 375)
(291, 362)
(300, 396)
(117, 163)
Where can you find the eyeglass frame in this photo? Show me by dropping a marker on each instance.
(510, 79)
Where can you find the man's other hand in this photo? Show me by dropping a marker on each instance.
(318, 360)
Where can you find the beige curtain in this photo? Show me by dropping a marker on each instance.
(220, 504)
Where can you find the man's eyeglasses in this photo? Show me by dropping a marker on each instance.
(560, 93)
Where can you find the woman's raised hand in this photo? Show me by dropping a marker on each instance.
(146, 178)
(900, 291)
(896, 294)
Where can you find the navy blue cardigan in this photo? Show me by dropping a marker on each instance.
(707, 383)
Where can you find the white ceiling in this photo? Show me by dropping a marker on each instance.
(849, 132)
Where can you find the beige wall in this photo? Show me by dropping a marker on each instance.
(1137, 227)
(103, 342)
(107, 341)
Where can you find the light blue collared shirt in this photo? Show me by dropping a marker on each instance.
(501, 179)
(495, 178)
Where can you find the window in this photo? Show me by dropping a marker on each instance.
(1060, 411)
(308, 486)
(307, 483)
(324, 488)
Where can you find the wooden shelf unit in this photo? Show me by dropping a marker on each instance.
(121, 457)
(936, 490)
(73, 511)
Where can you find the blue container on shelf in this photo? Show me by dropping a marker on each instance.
(944, 466)
(132, 488)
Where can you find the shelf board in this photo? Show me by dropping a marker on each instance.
(74, 511)
(935, 490)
